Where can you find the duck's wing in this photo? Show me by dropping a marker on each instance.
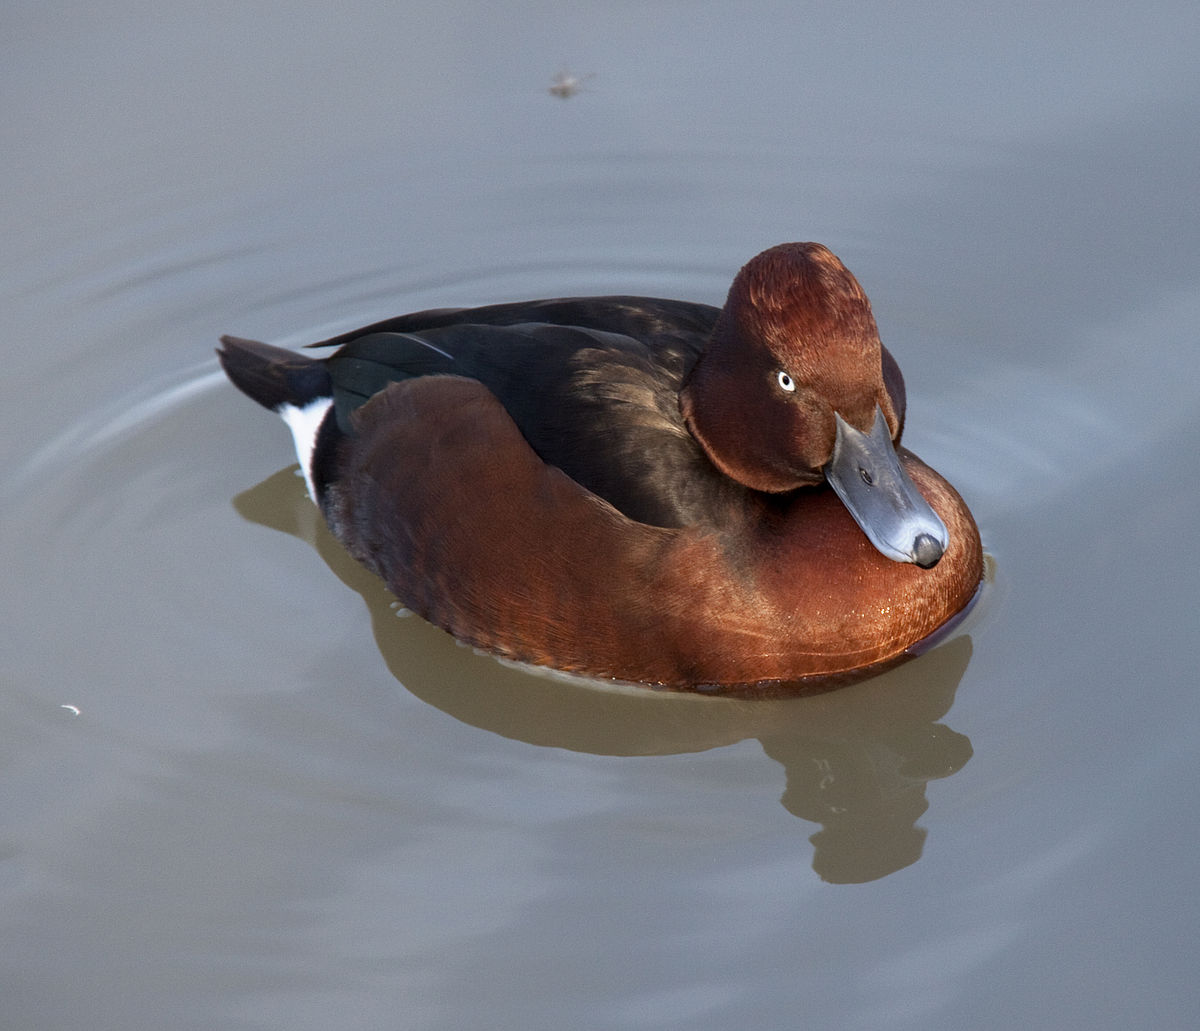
(601, 406)
(599, 403)
(651, 320)
(524, 351)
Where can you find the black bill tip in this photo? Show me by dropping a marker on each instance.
(927, 551)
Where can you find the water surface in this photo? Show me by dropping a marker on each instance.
(242, 791)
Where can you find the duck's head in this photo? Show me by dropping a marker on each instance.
(795, 388)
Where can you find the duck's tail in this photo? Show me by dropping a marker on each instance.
(295, 387)
(272, 376)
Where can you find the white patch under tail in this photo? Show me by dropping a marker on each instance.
(304, 422)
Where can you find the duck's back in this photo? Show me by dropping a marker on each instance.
(592, 383)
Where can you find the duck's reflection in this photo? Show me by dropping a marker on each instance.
(857, 759)
(863, 776)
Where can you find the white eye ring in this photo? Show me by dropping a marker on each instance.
(785, 381)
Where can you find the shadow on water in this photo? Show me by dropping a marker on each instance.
(857, 759)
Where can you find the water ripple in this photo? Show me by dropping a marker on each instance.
(127, 415)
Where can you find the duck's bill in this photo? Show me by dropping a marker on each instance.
(866, 473)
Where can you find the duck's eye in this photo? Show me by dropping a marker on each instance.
(785, 381)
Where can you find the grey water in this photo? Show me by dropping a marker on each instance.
(239, 789)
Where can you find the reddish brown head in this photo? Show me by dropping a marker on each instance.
(795, 343)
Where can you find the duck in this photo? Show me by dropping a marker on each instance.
(636, 489)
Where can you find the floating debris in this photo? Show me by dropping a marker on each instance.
(72, 709)
(566, 85)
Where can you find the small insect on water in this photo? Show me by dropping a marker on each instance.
(565, 85)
